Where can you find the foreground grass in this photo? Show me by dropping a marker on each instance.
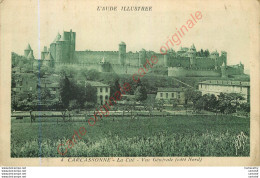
(177, 136)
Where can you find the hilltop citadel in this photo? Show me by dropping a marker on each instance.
(186, 62)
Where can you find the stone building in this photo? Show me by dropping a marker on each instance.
(183, 63)
(28, 82)
(103, 91)
(170, 94)
(225, 86)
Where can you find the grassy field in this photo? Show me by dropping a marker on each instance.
(160, 136)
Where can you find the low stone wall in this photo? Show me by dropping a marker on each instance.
(181, 72)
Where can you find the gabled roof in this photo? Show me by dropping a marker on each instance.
(170, 89)
(96, 84)
(225, 83)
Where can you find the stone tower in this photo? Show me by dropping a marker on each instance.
(63, 47)
(104, 66)
(44, 53)
(72, 41)
(142, 57)
(165, 60)
(215, 55)
(192, 56)
(62, 50)
(224, 56)
(223, 70)
(53, 46)
(122, 53)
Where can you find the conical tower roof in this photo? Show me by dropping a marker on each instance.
(48, 57)
(62, 38)
(30, 55)
(57, 38)
(122, 43)
(193, 47)
(28, 47)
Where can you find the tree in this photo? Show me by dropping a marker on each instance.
(192, 95)
(212, 103)
(198, 105)
(14, 102)
(160, 105)
(91, 93)
(206, 53)
(73, 104)
(63, 71)
(140, 93)
(115, 88)
(45, 94)
(174, 103)
(65, 91)
(195, 97)
(93, 75)
(202, 53)
(245, 107)
(229, 102)
(89, 105)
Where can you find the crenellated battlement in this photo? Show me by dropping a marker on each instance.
(62, 51)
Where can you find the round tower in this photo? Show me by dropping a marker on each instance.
(224, 56)
(142, 56)
(192, 56)
(53, 46)
(165, 60)
(223, 70)
(215, 55)
(59, 45)
(72, 44)
(122, 53)
(63, 50)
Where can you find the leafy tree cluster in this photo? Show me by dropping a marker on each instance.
(140, 92)
(75, 96)
(225, 103)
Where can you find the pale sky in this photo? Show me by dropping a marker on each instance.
(224, 26)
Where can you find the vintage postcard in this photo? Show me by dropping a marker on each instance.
(129, 83)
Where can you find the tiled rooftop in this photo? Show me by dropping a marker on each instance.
(97, 84)
(225, 82)
(170, 89)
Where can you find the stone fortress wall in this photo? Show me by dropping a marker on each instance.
(184, 62)
(181, 72)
